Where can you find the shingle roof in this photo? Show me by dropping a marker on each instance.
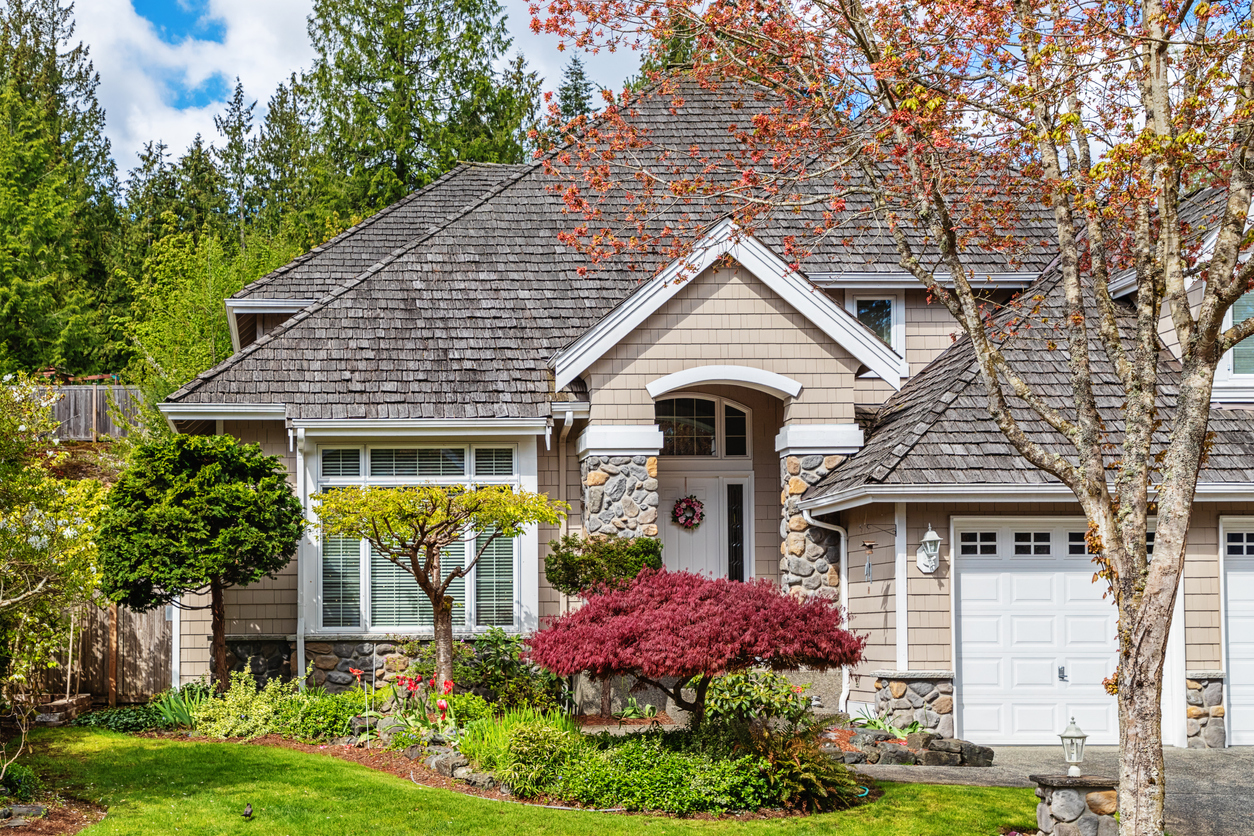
(937, 429)
(461, 320)
(314, 274)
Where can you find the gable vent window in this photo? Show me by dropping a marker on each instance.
(424, 462)
(977, 543)
(341, 463)
(1032, 542)
(494, 461)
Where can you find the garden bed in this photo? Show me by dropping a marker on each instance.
(64, 817)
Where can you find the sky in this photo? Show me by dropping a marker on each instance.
(168, 66)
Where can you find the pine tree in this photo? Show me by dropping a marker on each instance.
(574, 95)
(235, 158)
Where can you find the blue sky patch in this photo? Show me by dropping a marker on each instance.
(178, 20)
(216, 88)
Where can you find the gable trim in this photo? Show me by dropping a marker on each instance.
(728, 239)
(747, 376)
(235, 307)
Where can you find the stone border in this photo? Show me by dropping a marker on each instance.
(926, 697)
(1204, 698)
(620, 495)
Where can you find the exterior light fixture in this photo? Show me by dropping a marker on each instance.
(869, 545)
(927, 558)
(1073, 748)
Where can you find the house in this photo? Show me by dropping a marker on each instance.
(827, 420)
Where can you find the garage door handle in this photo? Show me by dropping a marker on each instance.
(1062, 673)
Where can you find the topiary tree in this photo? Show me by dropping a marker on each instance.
(579, 565)
(196, 513)
(412, 526)
(679, 624)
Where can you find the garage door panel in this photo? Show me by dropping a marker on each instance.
(1033, 589)
(1031, 672)
(1021, 618)
(1240, 615)
(1030, 631)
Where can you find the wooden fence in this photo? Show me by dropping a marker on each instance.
(88, 412)
(142, 667)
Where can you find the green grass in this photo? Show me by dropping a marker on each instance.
(164, 786)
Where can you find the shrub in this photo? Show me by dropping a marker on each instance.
(422, 654)
(577, 565)
(316, 717)
(129, 719)
(178, 706)
(535, 753)
(20, 782)
(680, 624)
(798, 773)
(641, 773)
(755, 695)
(497, 666)
(486, 742)
(244, 711)
(467, 708)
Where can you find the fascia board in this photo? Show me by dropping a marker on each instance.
(768, 268)
(423, 427)
(223, 411)
(581, 409)
(905, 281)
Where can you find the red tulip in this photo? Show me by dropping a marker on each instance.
(355, 673)
(442, 705)
(448, 686)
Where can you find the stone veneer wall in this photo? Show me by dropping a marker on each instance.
(809, 562)
(620, 496)
(332, 660)
(266, 658)
(902, 697)
(1204, 696)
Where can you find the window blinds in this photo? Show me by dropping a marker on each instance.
(1243, 353)
(449, 461)
(341, 463)
(494, 461)
(396, 600)
(341, 582)
(494, 583)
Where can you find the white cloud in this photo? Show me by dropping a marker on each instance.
(264, 41)
(141, 75)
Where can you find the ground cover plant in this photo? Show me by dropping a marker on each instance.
(153, 785)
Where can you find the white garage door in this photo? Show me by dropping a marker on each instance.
(1239, 567)
(1035, 638)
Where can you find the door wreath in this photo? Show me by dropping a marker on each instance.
(688, 512)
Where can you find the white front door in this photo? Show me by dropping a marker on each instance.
(1035, 637)
(686, 550)
(1239, 714)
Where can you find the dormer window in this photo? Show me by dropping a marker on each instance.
(883, 313)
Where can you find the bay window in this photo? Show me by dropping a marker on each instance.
(362, 590)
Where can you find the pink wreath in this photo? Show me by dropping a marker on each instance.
(689, 512)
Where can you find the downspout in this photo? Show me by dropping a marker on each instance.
(568, 421)
(845, 680)
(300, 563)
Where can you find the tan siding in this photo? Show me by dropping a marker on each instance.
(551, 601)
(724, 316)
(195, 637)
(872, 607)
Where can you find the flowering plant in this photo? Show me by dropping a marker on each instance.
(689, 512)
(413, 695)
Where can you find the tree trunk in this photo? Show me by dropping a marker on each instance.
(443, 641)
(607, 691)
(218, 608)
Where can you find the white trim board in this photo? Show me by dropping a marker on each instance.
(906, 281)
(747, 376)
(818, 439)
(727, 239)
(234, 307)
(423, 427)
(619, 440)
(223, 411)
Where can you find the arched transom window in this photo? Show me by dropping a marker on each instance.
(694, 425)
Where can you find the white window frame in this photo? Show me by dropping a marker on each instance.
(898, 330)
(1231, 387)
(520, 548)
(720, 429)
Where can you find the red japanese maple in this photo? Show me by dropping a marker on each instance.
(678, 624)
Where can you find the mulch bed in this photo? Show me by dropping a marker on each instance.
(841, 737)
(599, 720)
(65, 816)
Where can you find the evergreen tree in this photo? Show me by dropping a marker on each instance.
(574, 94)
(58, 214)
(235, 158)
(403, 89)
(201, 204)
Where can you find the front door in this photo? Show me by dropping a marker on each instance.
(719, 546)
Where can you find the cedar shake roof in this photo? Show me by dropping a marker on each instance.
(461, 320)
(937, 429)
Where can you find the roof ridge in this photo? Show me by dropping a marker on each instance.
(338, 291)
(365, 223)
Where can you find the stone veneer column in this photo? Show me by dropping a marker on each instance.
(1204, 696)
(620, 496)
(810, 560)
(902, 697)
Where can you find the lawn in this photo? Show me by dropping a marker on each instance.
(162, 786)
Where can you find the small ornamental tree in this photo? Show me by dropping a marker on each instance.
(196, 513)
(679, 624)
(580, 565)
(412, 527)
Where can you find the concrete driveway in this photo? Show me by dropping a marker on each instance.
(1210, 792)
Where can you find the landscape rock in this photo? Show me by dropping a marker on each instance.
(973, 755)
(934, 758)
(855, 757)
(482, 780)
(895, 753)
(919, 740)
(954, 746)
(1103, 803)
(1067, 805)
(415, 753)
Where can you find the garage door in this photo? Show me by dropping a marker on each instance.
(1035, 638)
(1239, 567)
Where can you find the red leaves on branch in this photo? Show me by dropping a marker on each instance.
(681, 624)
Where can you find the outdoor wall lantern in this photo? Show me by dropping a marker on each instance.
(928, 556)
(1073, 748)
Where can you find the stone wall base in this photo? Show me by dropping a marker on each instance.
(266, 658)
(925, 697)
(1204, 697)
